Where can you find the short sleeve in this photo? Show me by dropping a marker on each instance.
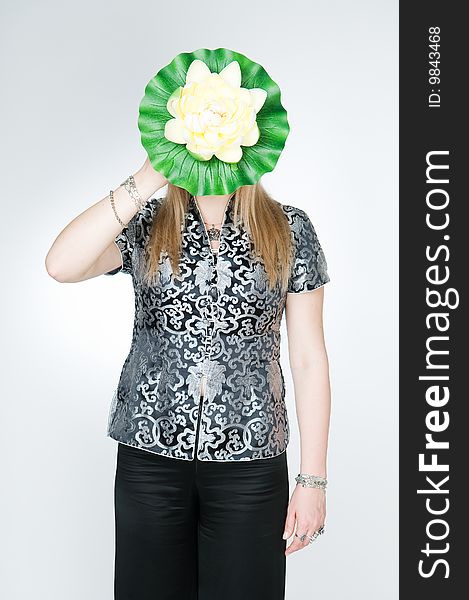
(125, 242)
(309, 267)
(135, 234)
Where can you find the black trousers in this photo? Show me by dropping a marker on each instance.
(198, 530)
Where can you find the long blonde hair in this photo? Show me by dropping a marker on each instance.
(261, 215)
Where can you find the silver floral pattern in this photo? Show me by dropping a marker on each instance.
(217, 321)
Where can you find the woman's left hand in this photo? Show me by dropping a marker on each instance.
(306, 510)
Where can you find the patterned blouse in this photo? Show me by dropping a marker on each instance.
(218, 322)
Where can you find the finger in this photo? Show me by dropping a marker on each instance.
(305, 532)
(313, 533)
(296, 543)
(289, 524)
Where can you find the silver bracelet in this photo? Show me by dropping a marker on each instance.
(129, 185)
(314, 481)
(111, 198)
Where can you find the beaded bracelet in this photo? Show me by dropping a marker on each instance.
(111, 197)
(314, 481)
(129, 185)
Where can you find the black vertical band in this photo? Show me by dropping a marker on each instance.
(434, 238)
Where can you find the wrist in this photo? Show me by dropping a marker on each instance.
(148, 180)
(313, 470)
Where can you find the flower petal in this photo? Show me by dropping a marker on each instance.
(197, 72)
(173, 100)
(198, 155)
(259, 96)
(252, 136)
(232, 74)
(211, 137)
(174, 132)
(232, 154)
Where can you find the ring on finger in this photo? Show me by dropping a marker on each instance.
(316, 534)
(311, 537)
(302, 537)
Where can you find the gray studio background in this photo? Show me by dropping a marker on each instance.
(73, 75)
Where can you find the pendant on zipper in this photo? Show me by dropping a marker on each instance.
(213, 233)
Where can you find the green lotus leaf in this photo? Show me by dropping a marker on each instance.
(189, 171)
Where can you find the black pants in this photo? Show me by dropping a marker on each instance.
(197, 530)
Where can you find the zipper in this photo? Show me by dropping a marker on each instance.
(202, 388)
(214, 255)
(199, 418)
(202, 392)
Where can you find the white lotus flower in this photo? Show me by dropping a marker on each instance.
(213, 114)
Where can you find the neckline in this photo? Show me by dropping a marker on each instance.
(213, 253)
(193, 202)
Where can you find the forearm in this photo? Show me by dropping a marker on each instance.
(84, 239)
(313, 407)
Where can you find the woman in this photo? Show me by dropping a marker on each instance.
(202, 506)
